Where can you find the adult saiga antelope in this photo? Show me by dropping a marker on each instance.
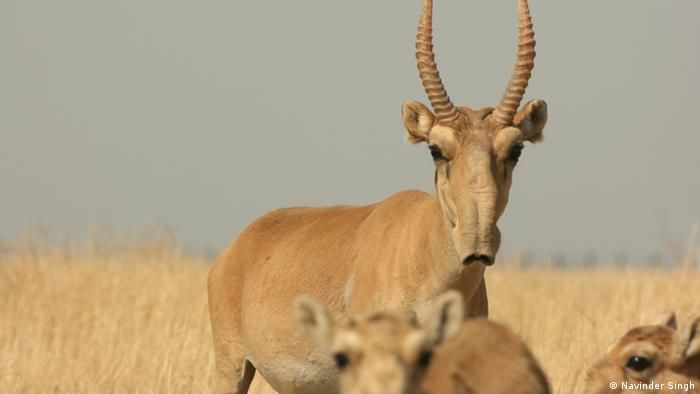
(656, 358)
(400, 252)
(393, 353)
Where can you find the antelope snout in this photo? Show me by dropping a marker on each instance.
(484, 259)
(479, 248)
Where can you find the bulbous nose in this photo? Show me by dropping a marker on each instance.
(486, 260)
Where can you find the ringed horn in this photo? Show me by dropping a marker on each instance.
(445, 111)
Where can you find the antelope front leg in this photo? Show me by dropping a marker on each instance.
(233, 373)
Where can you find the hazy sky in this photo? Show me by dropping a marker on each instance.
(204, 115)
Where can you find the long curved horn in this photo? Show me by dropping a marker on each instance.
(505, 111)
(445, 111)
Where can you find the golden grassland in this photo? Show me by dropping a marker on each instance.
(135, 320)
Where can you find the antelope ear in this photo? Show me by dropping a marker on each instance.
(314, 321)
(691, 338)
(667, 319)
(531, 119)
(418, 120)
(445, 317)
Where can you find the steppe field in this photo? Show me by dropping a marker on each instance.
(133, 319)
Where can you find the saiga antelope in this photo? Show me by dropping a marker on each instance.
(650, 359)
(393, 353)
(400, 252)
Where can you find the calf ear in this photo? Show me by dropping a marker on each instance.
(531, 119)
(691, 338)
(314, 321)
(667, 319)
(418, 120)
(445, 317)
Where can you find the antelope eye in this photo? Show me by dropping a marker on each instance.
(515, 153)
(341, 360)
(436, 152)
(637, 363)
(424, 358)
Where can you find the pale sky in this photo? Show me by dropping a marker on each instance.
(204, 115)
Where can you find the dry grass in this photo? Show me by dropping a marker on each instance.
(125, 324)
(136, 321)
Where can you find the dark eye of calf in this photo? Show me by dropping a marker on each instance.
(515, 153)
(424, 358)
(435, 152)
(341, 360)
(637, 363)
